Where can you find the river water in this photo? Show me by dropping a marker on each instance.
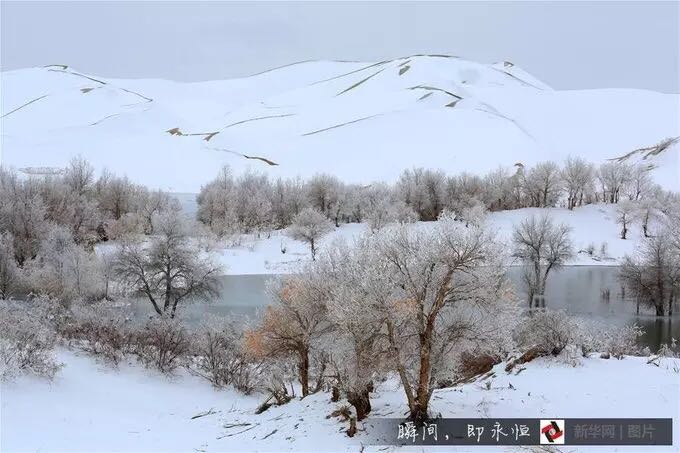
(579, 290)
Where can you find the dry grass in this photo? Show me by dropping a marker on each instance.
(24, 105)
(258, 119)
(360, 82)
(339, 125)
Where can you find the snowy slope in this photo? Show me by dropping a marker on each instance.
(590, 225)
(92, 407)
(360, 121)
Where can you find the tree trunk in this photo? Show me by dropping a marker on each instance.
(311, 245)
(422, 399)
(659, 308)
(352, 430)
(400, 366)
(335, 394)
(174, 308)
(670, 303)
(304, 371)
(361, 403)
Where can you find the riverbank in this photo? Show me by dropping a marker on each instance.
(593, 229)
(93, 407)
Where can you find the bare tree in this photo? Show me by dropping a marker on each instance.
(288, 199)
(653, 273)
(79, 176)
(63, 268)
(23, 214)
(323, 191)
(291, 327)
(614, 177)
(171, 269)
(640, 184)
(9, 271)
(438, 278)
(542, 184)
(648, 211)
(217, 203)
(309, 226)
(626, 212)
(253, 208)
(577, 177)
(423, 190)
(498, 189)
(542, 246)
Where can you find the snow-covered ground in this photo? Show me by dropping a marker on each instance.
(592, 224)
(93, 407)
(359, 121)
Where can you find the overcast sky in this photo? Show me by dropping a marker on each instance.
(574, 44)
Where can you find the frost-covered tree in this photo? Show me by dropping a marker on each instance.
(577, 177)
(543, 184)
(498, 189)
(116, 195)
(23, 214)
(652, 274)
(640, 184)
(288, 199)
(309, 226)
(9, 271)
(169, 269)
(357, 202)
(63, 268)
(155, 203)
(79, 176)
(542, 246)
(253, 207)
(324, 191)
(355, 307)
(217, 203)
(378, 206)
(614, 176)
(424, 191)
(474, 213)
(463, 191)
(439, 279)
(626, 212)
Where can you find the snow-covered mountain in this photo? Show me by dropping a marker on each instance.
(359, 121)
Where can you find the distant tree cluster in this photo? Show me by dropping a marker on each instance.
(253, 203)
(50, 224)
(653, 272)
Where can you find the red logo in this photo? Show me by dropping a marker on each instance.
(552, 432)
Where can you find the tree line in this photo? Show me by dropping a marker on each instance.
(254, 203)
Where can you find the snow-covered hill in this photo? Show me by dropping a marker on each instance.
(360, 121)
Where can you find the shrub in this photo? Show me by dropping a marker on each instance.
(161, 343)
(26, 345)
(218, 355)
(604, 249)
(590, 249)
(619, 341)
(547, 331)
(473, 364)
(98, 330)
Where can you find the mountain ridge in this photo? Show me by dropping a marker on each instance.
(362, 121)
